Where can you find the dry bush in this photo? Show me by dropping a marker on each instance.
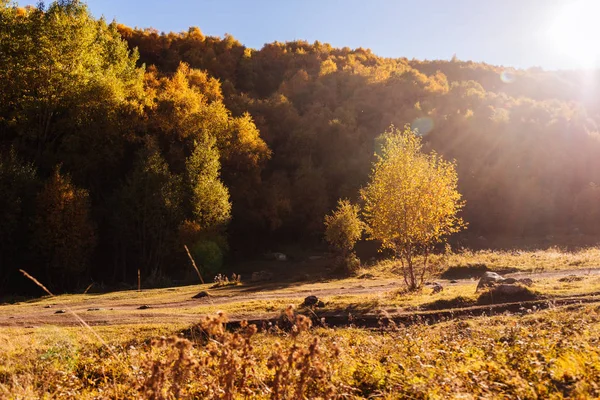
(544, 354)
(227, 367)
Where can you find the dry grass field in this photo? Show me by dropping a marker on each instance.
(181, 347)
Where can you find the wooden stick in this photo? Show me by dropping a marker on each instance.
(193, 263)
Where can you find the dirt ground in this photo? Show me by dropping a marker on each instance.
(176, 305)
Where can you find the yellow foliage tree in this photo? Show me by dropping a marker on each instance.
(412, 201)
(343, 227)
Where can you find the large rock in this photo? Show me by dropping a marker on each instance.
(489, 279)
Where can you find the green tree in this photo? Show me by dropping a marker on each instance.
(208, 196)
(148, 213)
(209, 207)
(64, 232)
(18, 184)
(411, 202)
(68, 78)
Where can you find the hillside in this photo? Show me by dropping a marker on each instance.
(121, 145)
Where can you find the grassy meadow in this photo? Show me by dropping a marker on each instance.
(125, 352)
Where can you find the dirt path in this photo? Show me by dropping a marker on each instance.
(101, 311)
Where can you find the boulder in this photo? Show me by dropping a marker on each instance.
(260, 276)
(489, 279)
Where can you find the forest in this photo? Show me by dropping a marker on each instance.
(118, 146)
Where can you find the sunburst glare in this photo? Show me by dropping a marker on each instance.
(574, 31)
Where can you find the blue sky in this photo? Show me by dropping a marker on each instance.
(501, 32)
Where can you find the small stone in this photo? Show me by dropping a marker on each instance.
(526, 281)
(94, 309)
(453, 281)
(48, 306)
(200, 295)
(437, 288)
(144, 307)
(59, 312)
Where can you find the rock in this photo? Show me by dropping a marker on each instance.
(59, 312)
(489, 279)
(436, 288)
(259, 276)
(144, 307)
(310, 301)
(200, 295)
(509, 280)
(48, 306)
(94, 309)
(320, 304)
(526, 281)
(453, 281)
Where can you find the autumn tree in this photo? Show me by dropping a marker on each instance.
(343, 228)
(64, 232)
(411, 202)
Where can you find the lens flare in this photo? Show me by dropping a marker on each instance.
(507, 77)
(422, 125)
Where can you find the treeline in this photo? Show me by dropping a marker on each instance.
(119, 146)
(526, 141)
(106, 166)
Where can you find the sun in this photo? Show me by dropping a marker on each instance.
(575, 31)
